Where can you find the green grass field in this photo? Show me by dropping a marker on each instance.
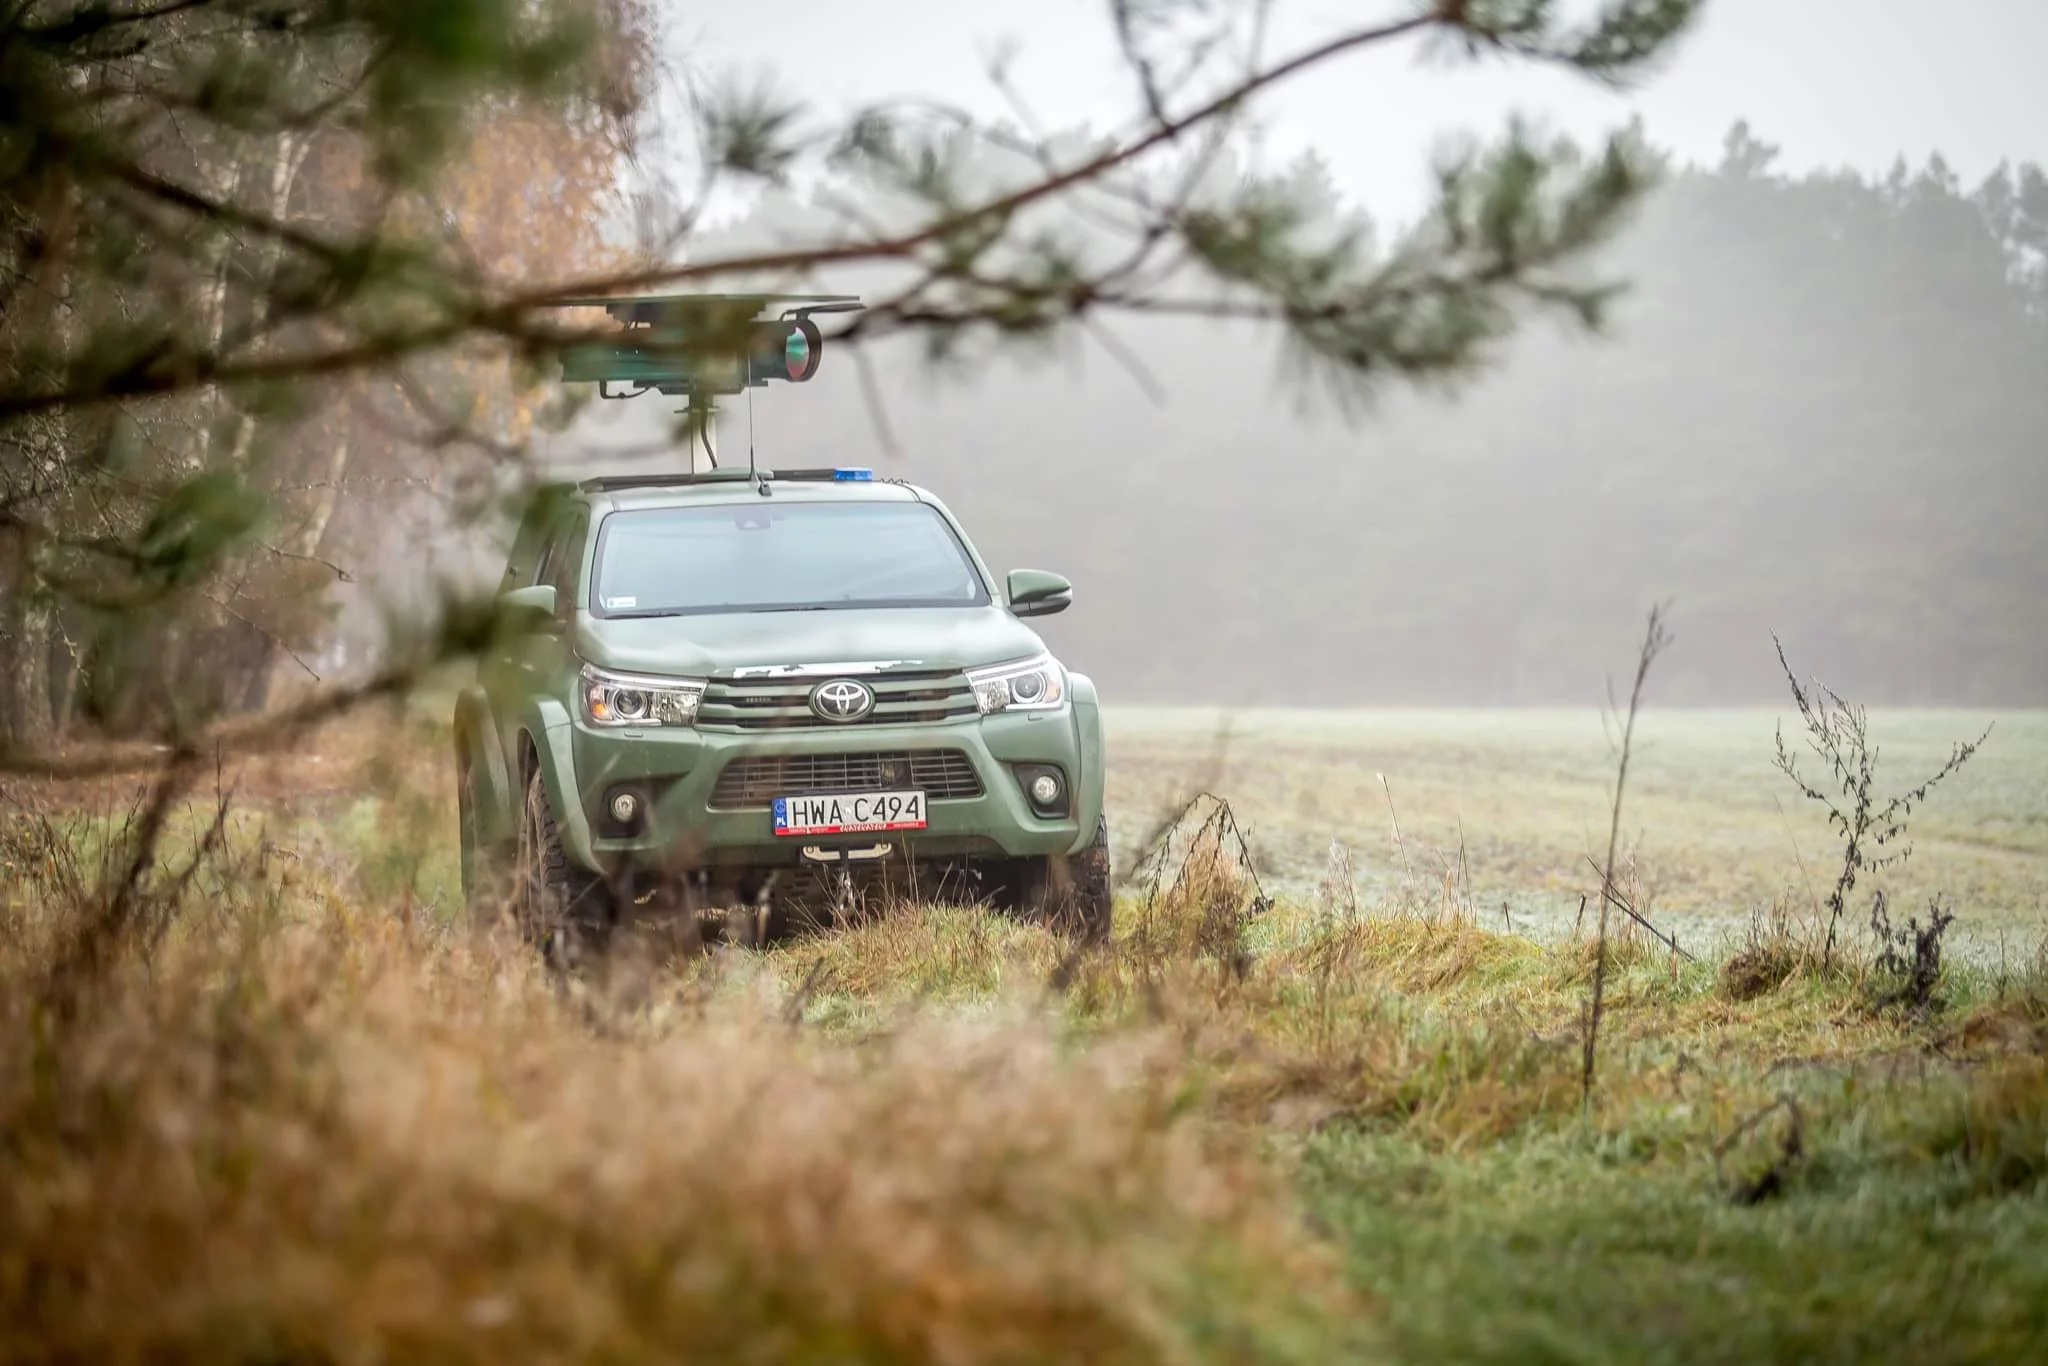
(1513, 803)
(284, 1108)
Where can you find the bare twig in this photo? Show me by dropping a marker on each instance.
(1626, 906)
(1170, 818)
(111, 918)
(341, 575)
(270, 636)
(1655, 639)
(1399, 843)
(1799, 859)
(231, 737)
(1464, 867)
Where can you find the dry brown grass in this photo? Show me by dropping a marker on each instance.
(292, 1126)
(341, 1138)
(1340, 1022)
(1784, 940)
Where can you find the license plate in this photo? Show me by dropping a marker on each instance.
(849, 813)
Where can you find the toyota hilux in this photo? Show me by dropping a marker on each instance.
(706, 687)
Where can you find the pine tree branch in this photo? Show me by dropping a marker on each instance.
(159, 376)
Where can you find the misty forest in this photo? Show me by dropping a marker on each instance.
(1529, 842)
(1812, 414)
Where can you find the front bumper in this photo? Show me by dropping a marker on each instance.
(676, 773)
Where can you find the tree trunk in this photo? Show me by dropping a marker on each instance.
(292, 149)
(245, 683)
(67, 669)
(26, 611)
(311, 535)
(28, 719)
(213, 312)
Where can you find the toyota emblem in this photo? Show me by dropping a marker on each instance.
(842, 699)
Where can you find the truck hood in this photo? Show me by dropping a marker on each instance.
(717, 644)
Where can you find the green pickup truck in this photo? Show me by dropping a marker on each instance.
(730, 688)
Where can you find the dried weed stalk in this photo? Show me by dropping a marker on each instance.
(1214, 893)
(1838, 733)
(1656, 638)
(1909, 956)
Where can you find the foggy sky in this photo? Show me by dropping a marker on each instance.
(1834, 81)
(1860, 82)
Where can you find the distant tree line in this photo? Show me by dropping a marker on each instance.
(1821, 409)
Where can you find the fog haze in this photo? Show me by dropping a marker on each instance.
(1838, 82)
(1815, 414)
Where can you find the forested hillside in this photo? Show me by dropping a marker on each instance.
(1821, 411)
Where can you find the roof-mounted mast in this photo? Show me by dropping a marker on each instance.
(700, 346)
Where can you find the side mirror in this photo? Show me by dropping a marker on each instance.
(1038, 593)
(526, 608)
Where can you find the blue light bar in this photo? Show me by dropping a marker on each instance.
(852, 472)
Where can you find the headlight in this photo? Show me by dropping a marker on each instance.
(611, 699)
(1028, 685)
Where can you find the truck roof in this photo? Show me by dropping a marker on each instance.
(683, 490)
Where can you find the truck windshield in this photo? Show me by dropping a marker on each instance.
(780, 555)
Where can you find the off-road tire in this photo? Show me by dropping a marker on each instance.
(487, 866)
(562, 910)
(1094, 901)
(1069, 893)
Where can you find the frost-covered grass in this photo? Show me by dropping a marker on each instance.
(1711, 832)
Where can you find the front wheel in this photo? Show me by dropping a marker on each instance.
(1069, 893)
(563, 910)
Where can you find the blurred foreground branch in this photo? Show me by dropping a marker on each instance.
(245, 246)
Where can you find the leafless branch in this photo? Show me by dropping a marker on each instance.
(268, 635)
(230, 737)
(1656, 638)
(341, 575)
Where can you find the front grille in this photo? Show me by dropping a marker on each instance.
(907, 698)
(758, 779)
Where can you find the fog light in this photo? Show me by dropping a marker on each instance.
(625, 806)
(1045, 789)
